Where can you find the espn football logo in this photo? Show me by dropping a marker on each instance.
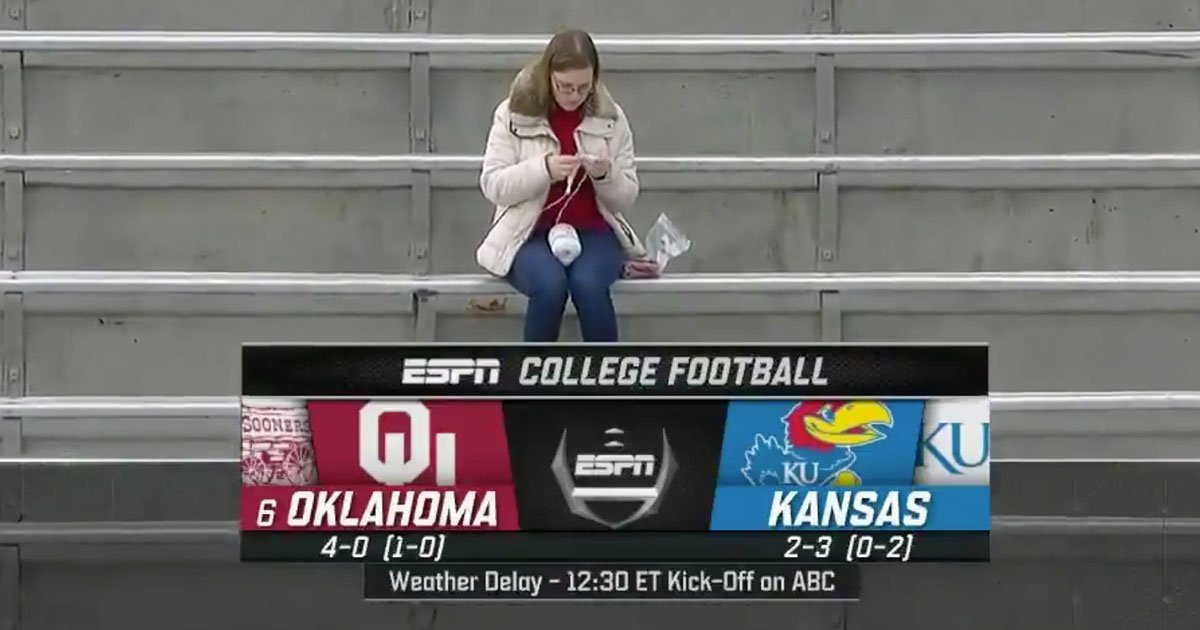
(450, 371)
(648, 477)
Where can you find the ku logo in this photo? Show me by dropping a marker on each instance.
(956, 447)
(816, 446)
(612, 481)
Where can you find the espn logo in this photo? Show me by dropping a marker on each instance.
(615, 465)
(450, 371)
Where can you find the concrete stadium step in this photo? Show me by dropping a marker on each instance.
(177, 333)
(1008, 216)
(677, 104)
(186, 344)
(926, 103)
(677, 16)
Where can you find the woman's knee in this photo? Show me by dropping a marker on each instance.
(550, 286)
(589, 287)
(537, 274)
(594, 273)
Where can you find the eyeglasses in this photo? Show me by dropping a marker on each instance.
(566, 88)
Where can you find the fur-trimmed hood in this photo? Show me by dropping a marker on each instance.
(525, 99)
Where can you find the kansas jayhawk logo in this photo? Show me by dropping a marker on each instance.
(816, 445)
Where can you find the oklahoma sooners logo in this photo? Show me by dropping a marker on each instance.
(396, 466)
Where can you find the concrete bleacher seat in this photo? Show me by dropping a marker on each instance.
(618, 16)
(141, 343)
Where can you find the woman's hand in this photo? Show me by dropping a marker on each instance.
(561, 166)
(596, 165)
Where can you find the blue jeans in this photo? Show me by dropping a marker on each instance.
(538, 275)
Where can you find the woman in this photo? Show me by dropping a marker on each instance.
(560, 151)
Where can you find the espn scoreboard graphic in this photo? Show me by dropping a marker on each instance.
(615, 471)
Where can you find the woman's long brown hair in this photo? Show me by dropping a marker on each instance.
(571, 49)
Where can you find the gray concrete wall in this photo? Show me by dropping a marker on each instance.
(743, 105)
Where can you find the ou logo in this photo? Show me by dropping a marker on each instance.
(394, 468)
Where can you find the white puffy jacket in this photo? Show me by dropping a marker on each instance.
(515, 179)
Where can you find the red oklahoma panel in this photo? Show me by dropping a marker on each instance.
(476, 429)
(330, 507)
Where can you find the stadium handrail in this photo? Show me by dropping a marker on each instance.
(222, 406)
(196, 41)
(187, 282)
(681, 163)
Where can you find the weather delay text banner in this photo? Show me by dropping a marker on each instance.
(559, 453)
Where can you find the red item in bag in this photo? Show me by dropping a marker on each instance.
(642, 269)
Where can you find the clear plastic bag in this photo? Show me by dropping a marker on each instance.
(665, 241)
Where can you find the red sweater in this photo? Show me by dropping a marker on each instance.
(581, 211)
